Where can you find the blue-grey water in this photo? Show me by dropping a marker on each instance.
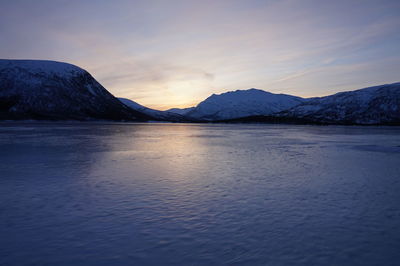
(191, 194)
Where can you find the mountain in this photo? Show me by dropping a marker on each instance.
(373, 105)
(157, 115)
(180, 111)
(49, 90)
(242, 103)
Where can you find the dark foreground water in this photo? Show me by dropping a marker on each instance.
(187, 194)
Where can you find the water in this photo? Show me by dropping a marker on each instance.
(187, 194)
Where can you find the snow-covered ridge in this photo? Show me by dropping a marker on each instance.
(180, 111)
(42, 66)
(35, 89)
(156, 114)
(242, 103)
(372, 105)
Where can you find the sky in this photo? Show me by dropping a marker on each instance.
(176, 53)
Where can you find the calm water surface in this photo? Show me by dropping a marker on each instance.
(187, 194)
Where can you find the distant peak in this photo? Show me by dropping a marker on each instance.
(247, 91)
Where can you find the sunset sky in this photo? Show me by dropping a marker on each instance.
(170, 53)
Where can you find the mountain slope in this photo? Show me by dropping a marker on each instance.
(242, 103)
(180, 111)
(373, 105)
(157, 115)
(36, 89)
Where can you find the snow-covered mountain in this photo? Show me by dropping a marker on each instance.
(373, 105)
(157, 115)
(180, 111)
(242, 103)
(36, 89)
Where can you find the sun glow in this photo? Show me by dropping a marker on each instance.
(177, 53)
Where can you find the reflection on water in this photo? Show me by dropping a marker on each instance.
(179, 194)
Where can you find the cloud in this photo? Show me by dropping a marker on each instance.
(178, 52)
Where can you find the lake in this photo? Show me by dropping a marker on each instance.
(198, 194)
